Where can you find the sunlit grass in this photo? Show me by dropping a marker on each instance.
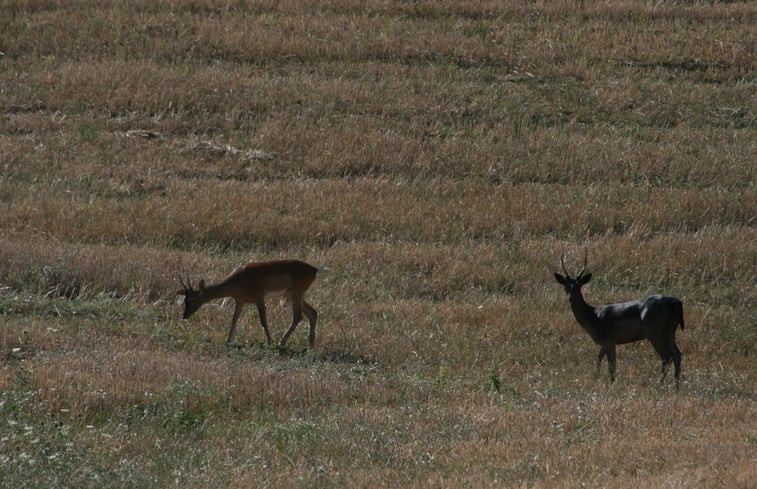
(438, 159)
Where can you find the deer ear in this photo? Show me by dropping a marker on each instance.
(585, 279)
(560, 278)
(202, 284)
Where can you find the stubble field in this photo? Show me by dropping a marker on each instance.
(437, 157)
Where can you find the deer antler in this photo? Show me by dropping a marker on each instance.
(562, 262)
(586, 260)
(188, 286)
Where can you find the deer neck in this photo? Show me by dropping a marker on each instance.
(216, 291)
(585, 314)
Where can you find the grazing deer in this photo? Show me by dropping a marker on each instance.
(253, 283)
(655, 317)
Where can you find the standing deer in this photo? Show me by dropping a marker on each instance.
(655, 317)
(253, 283)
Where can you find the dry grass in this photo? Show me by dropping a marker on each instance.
(437, 157)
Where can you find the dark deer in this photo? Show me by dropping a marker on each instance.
(655, 317)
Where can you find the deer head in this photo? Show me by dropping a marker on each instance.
(573, 284)
(193, 299)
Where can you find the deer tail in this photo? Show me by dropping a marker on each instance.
(680, 314)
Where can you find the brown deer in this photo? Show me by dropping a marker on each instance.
(253, 283)
(655, 317)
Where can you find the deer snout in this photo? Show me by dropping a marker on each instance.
(189, 309)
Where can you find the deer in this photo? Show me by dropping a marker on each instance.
(655, 318)
(254, 283)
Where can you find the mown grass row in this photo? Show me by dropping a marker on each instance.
(526, 37)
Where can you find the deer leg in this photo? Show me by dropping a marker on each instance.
(665, 366)
(296, 318)
(238, 306)
(312, 315)
(673, 354)
(677, 364)
(602, 353)
(667, 355)
(611, 360)
(263, 320)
